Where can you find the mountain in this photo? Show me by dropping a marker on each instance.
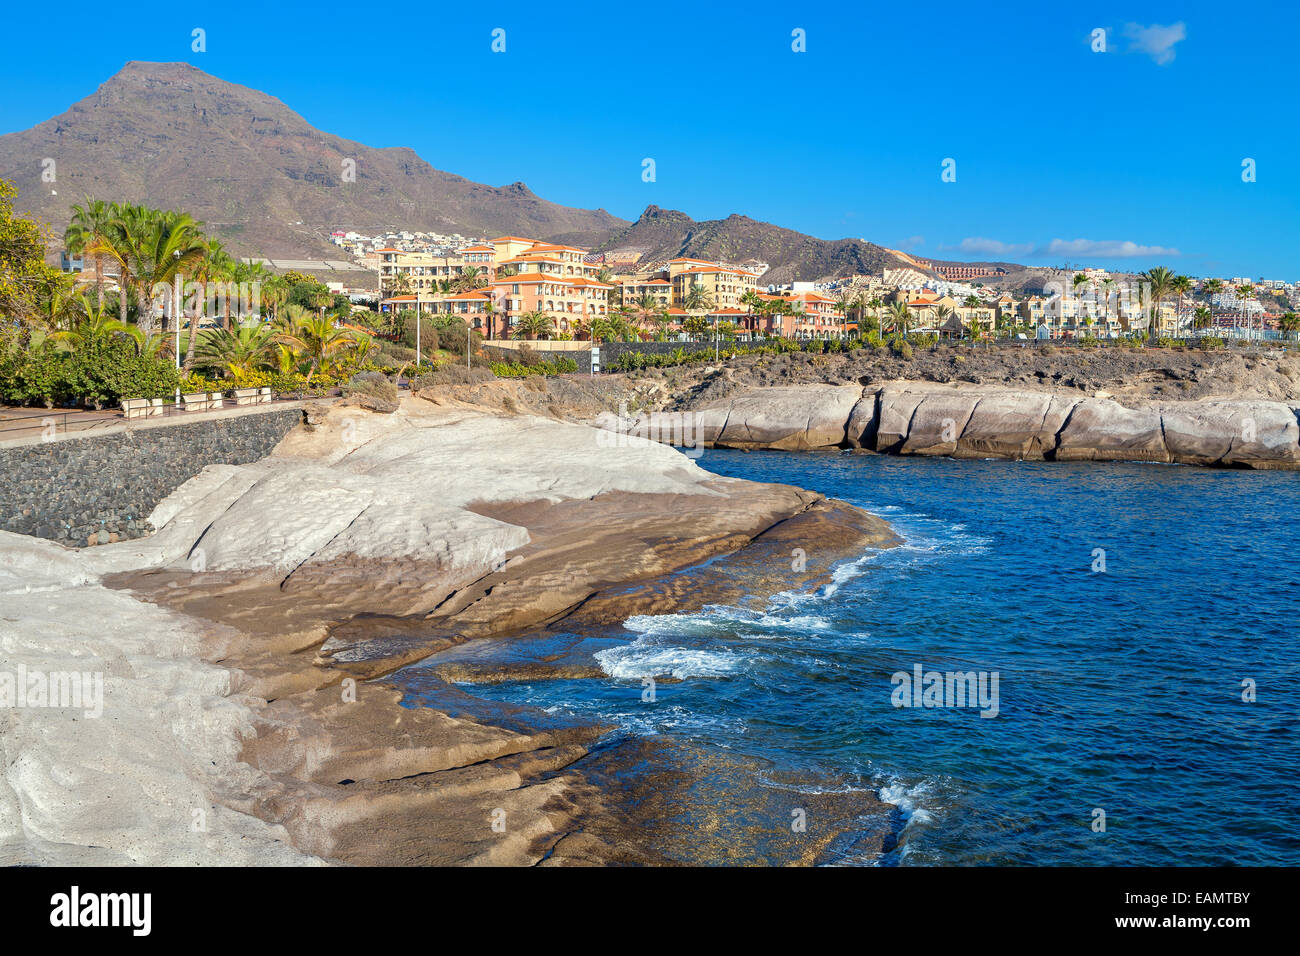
(662, 234)
(260, 176)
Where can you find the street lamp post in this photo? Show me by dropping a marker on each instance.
(176, 316)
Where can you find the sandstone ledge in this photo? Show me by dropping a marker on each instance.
(245, 642)
(908, 418)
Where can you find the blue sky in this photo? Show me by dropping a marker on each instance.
(1062, 154)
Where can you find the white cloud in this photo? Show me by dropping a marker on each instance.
(911, 242)
(980, 246)
(1155, 41)
(1103, 248)
(1096, 248)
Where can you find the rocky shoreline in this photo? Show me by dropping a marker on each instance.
(977, 421)
(245, 645)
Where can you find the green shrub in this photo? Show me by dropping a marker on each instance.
(100, 373)
(556, 366)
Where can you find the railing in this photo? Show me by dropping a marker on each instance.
(62, 422)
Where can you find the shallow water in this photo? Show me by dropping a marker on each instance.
(1118, 690)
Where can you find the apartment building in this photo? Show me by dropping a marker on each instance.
(806, 315)
(490, 284)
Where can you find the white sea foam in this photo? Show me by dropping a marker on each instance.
(639, 660)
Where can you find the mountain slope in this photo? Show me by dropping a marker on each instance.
(256, 172)
(662, 234)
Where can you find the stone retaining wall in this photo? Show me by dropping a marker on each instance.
(102, 488)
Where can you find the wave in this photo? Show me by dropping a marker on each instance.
(639, 660)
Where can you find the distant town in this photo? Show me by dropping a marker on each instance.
(510, 287)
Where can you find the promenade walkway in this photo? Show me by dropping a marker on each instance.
(19, 426)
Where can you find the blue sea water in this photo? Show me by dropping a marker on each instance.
(1118, 690)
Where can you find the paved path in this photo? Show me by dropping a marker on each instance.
(20, 426)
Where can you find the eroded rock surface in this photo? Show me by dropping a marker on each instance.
(244, 644)
(912, 418)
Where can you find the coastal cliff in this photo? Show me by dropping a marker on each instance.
(977, 421)
(242, 647)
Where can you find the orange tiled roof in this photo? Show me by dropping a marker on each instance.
(531, 257)
(553, 246)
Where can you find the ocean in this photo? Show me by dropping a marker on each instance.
(1127, 634)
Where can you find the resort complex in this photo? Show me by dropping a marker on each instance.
(509, 286)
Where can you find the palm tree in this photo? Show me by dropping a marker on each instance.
(471, 277)
(1079, 279)
(274, 294)
(94, 325)
(1106, 285)
(1203, 318)
(239, 352)
(490, 311)
(647, 306)
(532, 325)
(752, 301)
(116, 243)
(316, 339)
(161, 247)
(900, 315)
(148, 344)
(1244, 292)
(1180, 285)
(86, 233)
(1289, 322)
(698, 299)
(1160, 280)
(943, 313)
(215, 266)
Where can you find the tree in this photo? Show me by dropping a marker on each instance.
(533, 325)
(942, 313)
(696, 325)
(698, 299)
(23, 271)
(1160, 281)
(471, 277)
(152, 249)
(1244, 292)
(274, 294)
(1289, 322)
(215, 266)
(900, 315)
(87, 229)
(316, 339)
(1080, 279)
(647, 306)
(92, 327)
(1180, 285)
(240, 351)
